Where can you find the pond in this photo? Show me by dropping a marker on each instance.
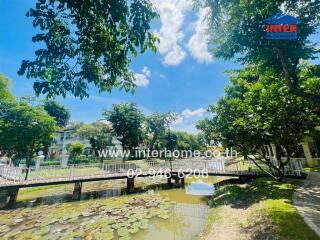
(106, 213)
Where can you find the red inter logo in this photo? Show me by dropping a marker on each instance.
(281, 28)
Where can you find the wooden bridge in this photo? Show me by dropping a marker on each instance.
(14, 178)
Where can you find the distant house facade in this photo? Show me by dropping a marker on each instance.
(68, 136)
(64, 138)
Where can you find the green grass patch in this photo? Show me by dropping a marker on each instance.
(35, 189)
(290, 224)
(276, 201)
(212, 218)
(313, 169)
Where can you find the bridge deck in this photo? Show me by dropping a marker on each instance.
(7, 184)
(13, 177)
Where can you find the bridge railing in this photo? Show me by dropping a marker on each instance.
(50, 173)
(33, 174)
(11, 172)
(119, 167)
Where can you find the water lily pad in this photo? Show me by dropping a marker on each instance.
(116, 226)
(4, 228)
(123, 232)
(144, 226)
(164, 216)
(125, 238)
(133, 230)
(19, 220)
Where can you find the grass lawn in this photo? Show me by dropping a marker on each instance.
(54, 173)
(314, 169)
(262, 199)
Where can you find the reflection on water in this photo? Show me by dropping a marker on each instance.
(200, 188)
(183, 220)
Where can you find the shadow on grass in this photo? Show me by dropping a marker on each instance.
(243, 196)
(277, 206)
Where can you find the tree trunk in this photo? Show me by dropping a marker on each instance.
(27, 163)
(292, 81)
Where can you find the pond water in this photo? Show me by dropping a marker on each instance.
(105, 213)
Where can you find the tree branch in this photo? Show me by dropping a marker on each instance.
(292, 81)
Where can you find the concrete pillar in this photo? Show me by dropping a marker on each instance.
(244, 179)
(64, 159)
(274, 150)
(130, 185)
(3, 198)
(169, 181)
(39, 159)
(77, 191)
(13, 195)
(307, 154)
(176, 180)
(182, 181)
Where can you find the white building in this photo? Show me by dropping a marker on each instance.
(64, 138)
(67, 136)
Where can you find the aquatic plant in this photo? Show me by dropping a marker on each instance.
(104, 219)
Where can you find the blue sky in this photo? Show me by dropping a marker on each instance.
(181, 77)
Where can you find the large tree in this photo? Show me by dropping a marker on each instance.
(127, 122)
(5, 84)
(99, 134)
(58, 111)
(237, 31)
(258, 110)
(76, 149)
(85, 41)
(206, 127)
(157, 126)
(24, 130)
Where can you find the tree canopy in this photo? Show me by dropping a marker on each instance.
(87, 42)
(5, 84)
(206, 127)
(258, 110)
(157, 127)
(237, 30)
(76, 149)
(24, 130)
(99, 135)
(127, 122)
(58, 111)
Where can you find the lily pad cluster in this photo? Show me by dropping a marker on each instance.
(114, 218)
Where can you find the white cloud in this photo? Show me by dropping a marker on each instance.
(146, 71)
(172, 16)
(179, 120)
(187, 127)
(175, 56)
(142, 79)
(187, 120)
(198, 43)
(187, 113)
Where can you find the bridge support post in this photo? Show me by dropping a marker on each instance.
(244, 179)
(182, 181)
(169, 181)
(77, 191)
(130, 185)
(13, 195)
(3, 198)
(177, 180)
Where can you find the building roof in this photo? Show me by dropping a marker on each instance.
(67, 128)
(282, 18)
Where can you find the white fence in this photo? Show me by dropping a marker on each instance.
(56, 173)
